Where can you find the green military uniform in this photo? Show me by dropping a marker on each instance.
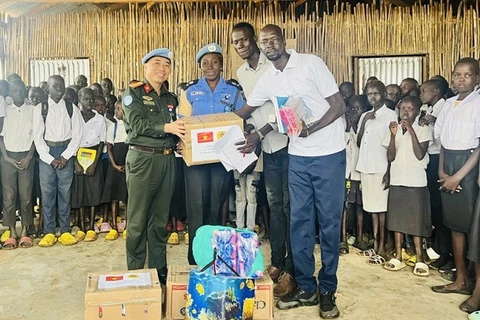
(150, 169)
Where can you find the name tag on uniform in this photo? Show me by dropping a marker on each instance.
(148, 98)
(197, 93)
(150, 103)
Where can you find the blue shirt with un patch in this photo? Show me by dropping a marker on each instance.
(226, 97)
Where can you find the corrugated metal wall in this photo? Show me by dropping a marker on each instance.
(69, 69)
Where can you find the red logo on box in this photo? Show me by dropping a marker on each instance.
(262, 287)
(179, 287)
(114, 278)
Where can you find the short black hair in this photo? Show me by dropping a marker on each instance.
(13, 76)
(275, 28)
(362, 100)
(5, 85)
(378, 85)
(415, 101)
(101, 98)
(346, 83)
(85, 90)
(471, 61)
(394, 85)
(441, 86)
(18, 83)
(411, 80)
(244, 25)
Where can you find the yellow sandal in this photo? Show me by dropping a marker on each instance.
(48, 240)
(112, 235)
(91, 236)
(173, 239)
(80, 235)
(67, 239)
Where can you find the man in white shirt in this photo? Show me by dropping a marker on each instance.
(316, 165)
(275, 159)
(57, 132)
(431, 94)
(17, 148)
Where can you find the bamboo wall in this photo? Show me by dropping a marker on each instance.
(116, 41)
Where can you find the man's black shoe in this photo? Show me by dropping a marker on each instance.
(328, 308)
(297, 299)
(162, 275)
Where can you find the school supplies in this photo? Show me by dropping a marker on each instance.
(86, 157)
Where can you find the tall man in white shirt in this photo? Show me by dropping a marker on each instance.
(17, 148)
(58, 130)
(316, 166)
(275, 159)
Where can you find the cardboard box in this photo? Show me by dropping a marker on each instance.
(177, 285)
(176, 296)
(264, 303)
(202, 132)
(125, 295)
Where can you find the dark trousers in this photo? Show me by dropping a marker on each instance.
(206, 189)
(275, 170)
(317, 190)
(56, 185)
(17, 184)
(443, 235)
(150, 183)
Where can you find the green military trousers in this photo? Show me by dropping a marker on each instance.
(150, 184)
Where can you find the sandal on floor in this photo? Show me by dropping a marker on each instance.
(67, 239)
(367, 253)
(91, 236)
(443, 289)
(112, 235)
(394, 265)
(421, 270)
(121, 226)
(351, 240)
(124, 234)
(343, 248)
(173, 239)
(5, 236)
(25, 242)
(48, 240)
(412, 261)
(10, 244)
(474, 315)
(187, 238)
(105, 227)
(180, 226)
(377, 260)
(468, 308)
(80, 235)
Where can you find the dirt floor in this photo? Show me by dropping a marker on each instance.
(49, 283)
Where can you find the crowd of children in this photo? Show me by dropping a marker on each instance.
(411, 178)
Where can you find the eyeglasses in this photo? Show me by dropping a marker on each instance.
(266, 42)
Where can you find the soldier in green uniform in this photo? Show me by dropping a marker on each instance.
(153, 132)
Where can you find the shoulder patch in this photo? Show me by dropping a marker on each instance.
(234, 83)
(127, 100)
(135, 84)
(191, 83)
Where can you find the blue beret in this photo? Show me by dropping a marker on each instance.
(209, 48)
(160, 52)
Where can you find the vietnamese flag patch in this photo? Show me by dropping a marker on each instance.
(114, 278)
(204, 137)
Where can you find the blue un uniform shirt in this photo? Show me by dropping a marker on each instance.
(200, 100)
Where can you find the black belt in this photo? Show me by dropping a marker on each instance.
(164, 151)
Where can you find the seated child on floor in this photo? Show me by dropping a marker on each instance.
(115, 183)
(353, 199)
(408, 200)
(87, 185)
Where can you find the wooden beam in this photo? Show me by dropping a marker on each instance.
(101, 5)
(299, 2)
(39, 8)
(402, 3)
(149, 5)
(222, 7)
(116, 6)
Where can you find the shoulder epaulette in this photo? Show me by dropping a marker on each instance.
(234, 83)
(135, 84)
(191, 83)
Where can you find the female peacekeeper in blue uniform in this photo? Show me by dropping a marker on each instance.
(207, 185)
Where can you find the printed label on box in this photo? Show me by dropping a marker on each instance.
(203, 143)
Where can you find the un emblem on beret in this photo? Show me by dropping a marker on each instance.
(212, 48)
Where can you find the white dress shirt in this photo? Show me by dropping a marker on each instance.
(373, 156)
(305, 76)
(17, 130)
(120, 135)
(58, 127)
(406, 170)
(352, 151)
(248, 77)
(94, 131)
(458, 127)
(435, 110)
(3, 103)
